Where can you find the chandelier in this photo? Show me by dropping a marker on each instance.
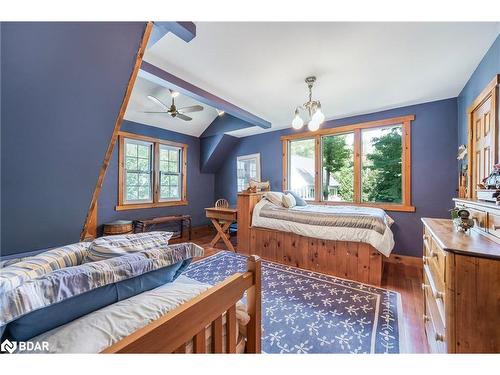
(313, 107)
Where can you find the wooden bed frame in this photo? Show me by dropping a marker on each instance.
(172, 332)
(351, 260)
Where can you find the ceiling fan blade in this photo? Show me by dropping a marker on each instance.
(157, 101)
(193, 108)
(183, 117)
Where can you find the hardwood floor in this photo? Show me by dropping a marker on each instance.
(406, 280)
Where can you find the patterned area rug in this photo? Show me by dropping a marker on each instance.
(309, 312)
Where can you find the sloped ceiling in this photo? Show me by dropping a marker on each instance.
(139, 103)
(361, 67)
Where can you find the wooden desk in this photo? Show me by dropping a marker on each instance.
(228, 216)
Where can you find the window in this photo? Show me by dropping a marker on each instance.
(337, 158)
(302, 171)
(248, 168)
(138, 171)
(363, 164)
(381, 163)
(152, 172)
(170, 172)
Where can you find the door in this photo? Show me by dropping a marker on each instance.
(483, 137)
(484, 140)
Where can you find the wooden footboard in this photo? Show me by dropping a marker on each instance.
(351, 260)
(188, 322)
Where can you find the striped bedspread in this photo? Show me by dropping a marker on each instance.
(331, 216)
(39, 291)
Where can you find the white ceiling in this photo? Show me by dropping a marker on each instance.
(361, 67)
(139, 102)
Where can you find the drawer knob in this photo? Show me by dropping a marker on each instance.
(426, 318)
(438, 295)
(433, 254)
(439, 337)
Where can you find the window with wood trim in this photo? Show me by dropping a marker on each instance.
(151, 172)
(247, 169)
(364, 164)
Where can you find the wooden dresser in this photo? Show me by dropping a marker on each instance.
(461, 287)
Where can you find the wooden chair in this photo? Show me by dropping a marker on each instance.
(222, 203)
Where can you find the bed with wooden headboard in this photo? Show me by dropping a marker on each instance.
(357, 261)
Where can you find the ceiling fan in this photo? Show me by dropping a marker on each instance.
(173, 111)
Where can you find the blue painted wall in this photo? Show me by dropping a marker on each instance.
(200, 186)
(214, 150)
(484, 73)
(62, 86)
(223, 124)
(434, 174)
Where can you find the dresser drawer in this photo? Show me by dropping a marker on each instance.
(435, 258)
(434, 293)
(494, 224)
(479, 217)
(434, 330)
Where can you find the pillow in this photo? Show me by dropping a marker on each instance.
(298, 200)
(115, 246)
(68, 283)
(288, 200)
(274, 197)
(31, 267)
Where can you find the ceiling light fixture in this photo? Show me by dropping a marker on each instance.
(313, 107)
(174, 94)
(220, 112)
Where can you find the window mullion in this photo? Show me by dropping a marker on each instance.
(357, 166)
(156, 172)
(317, 162)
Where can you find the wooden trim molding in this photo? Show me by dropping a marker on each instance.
(490, 91)
(351, 128)
(405, 260)
(90, 226)
(157, 202)
(356, 129)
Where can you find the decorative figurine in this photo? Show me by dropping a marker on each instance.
(493, 180)
(463, 222)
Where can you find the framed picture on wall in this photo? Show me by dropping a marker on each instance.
(248, 168)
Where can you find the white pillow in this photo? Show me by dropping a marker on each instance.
(275, 197)
(288, 200)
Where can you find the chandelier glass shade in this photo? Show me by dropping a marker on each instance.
(312, 107)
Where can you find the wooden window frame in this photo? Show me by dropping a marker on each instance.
(404, 121)
(248, 157)
(157, 202)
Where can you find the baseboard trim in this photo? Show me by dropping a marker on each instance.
(404, 259)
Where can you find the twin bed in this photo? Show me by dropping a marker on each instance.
(83, 298)
(344, 241)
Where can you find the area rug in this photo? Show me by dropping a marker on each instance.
(309, 312)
